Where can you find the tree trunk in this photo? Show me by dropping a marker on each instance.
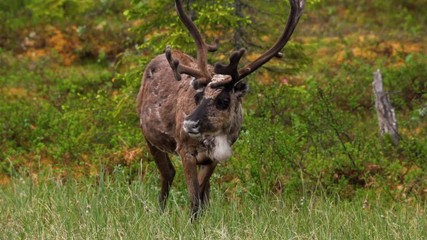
(238, 34)
(386, 116)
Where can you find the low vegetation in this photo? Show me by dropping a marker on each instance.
(110, 208)
(309, 162)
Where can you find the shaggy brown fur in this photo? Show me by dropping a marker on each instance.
(190, 108)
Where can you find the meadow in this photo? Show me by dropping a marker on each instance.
(114, 209)
(309, 163)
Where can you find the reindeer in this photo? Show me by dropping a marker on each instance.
(188, 107)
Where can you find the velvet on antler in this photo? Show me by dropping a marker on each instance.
(179, 68)
(201, 73)
(232, 68)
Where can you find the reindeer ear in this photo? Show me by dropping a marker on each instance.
(241, 88)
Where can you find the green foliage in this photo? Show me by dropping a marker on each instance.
(297, 138)
(399, 17)
(64, 115)
(20, 13)
(159, 30)
(50, 10)
(32, 21)
(409, 82)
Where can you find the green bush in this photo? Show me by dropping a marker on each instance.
(64, 115)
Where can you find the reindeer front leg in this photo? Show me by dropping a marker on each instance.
(205, 174)
(190, 172)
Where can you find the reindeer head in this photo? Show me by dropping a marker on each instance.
(216, 106)
(218, 93)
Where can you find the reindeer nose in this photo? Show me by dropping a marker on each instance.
(191, 127)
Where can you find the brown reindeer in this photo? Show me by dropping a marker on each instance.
(194, 109)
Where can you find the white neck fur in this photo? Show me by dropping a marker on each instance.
(221, 150)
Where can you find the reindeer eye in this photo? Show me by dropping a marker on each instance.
(222, 103)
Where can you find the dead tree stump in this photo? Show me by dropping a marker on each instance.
(386, 116)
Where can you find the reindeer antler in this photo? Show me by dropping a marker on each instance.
(297, 7)
(179, 68)
(201, 73)
(231, 68)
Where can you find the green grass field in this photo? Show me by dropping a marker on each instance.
(115, 209)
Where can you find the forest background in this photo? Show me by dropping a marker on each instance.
(70, 71)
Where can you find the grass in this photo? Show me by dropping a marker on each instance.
(107, 208)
